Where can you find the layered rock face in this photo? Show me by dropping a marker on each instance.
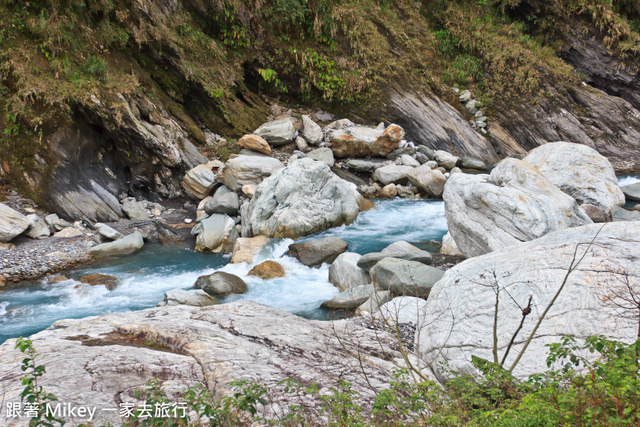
(513, 204)
(301, 199)
(186, 346)
(459, 314)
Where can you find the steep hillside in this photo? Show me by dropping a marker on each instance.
(104, 98)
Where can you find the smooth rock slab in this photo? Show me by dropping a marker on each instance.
(12, 223)
(632, 191)
(127, 245)
(107, 232)
(402, 277)
(350, 299)
(367, 261)
(459, 314)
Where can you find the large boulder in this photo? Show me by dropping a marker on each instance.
(367, 261)
(245, 169)
(579, 171)
(12, 223)
(392, 174)
(224, 201)
(135, 210)
(254, 143)
(449, 246)
(301, 199)
(587, 283)
(201, 180)
(97, 279)
(277, 132)
(221, 284)
(125, 246)
(192, 297)
(403, 309)
(324, 155)
(107, 232)
(344, 272)
(632, 191)
(267, 270)
(513, 204)
(350, 299)
(311, 131)
(429, 181)
(38, 229)
(191, 346)
(445, 159)
(246, 249)
(360, 141)
(316, 252)
(404, 277)
(216, 234)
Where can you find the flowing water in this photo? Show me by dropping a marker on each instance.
(145, 277)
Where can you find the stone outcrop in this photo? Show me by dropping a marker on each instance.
(244, 169)
(579, 171)
(632, 191)
(513, 204)
(301, 199)
(459, 314)
(316, 252)
(224, 201)
(38, 228)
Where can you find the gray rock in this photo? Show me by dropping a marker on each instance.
(444, 159)
(579, 171)
(316, 252)
(344, 272)
(136, 211)
(301, 199)
(426, 151)
(61, 224)
(512, 205)
(449, 246)
(216, 234)
(392, 174)
(51, 220)
(311, 131)
(245, 221)
(127, 245)
(201, 180)
(403, 309)
(324, 154)
(67, 233)
(38, 229)
(374, 303)
(12, 223)
(361, 165)
(340, 124)
(402, 277)
(349, 177)
(224, 201)
(430, 182)
(459, 315)
(107, 232)
(472, 106)
(368, 261)
(465, 97)
(401, 246)
(242, 170)
(404, 192)
(621, 214)
(596, 213)
(632, 191)
(471, 163)
(301, 144)
(193, 297)
(350, 299)
(277, 132)
(221, 284)
(323, 116)
(407, 160)
(397, 154)
(360, 141)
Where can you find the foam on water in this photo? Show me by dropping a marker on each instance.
(145, 277)
(628, 180)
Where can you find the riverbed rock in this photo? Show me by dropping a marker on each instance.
(580, 171)
(255, 143)
(224, 201)
(360, 141)
(107, 232)
(97, 279)
(445, 159)
(221, 284)
(401, 246)
(38, 229)
(316, 252)
(344, 272)
(201, 180)
(389, 191)
(367, 261)
(324, 154)
(513, 204)
(596, 213)
(311, 131)
(407, 160)
(471, 163)
(301, 199)
(449, 246)
(373, 304)
(632, 191)
(403, 309)
(459, 315)
(12, 223)
(392, 174)
(243, 169)
(621, 214)
(216, 234)
(246, 249)
(189, 346)
(67, 233)
(267, 270)
(361, 165)
(127, 245)
(350, 299)
(136, 211)
(192, 297)
(402, 277)
(431, 182)
(277, 132)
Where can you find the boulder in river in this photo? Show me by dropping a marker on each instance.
(127, 245)
(513, 204)
(97, 279)
(216, 234)
(459, 314)
(201, 180)
(392, 174)
(12, 223)
(580, 171)
(632, 191)
(404, 277)
(254, 143)
(277, 132)
(221, 284)
(38, 229)
(245, 169)
(316, 252)
(301, 199)
(267, 270)
(367, 261)
(246, 249)
(360, 141)
(224, 201)
(350, 299)
(431, 182)
(344, 272)
(192, 297)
